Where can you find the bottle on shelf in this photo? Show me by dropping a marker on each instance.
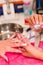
(27, 8)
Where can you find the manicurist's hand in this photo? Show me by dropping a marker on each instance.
(32, 52)
(35, 22)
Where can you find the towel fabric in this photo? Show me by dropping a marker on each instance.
(18, 59)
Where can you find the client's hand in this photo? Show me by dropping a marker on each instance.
(32, 52)
(35, 22)
(24, 49)
(8, 46)
(28, 50)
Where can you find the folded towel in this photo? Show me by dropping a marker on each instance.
(18, 59)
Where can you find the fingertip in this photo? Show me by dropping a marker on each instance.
(5, 57)
(7, 60)
(23, 44)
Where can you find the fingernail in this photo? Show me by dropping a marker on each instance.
(6, 60)
(24, 44)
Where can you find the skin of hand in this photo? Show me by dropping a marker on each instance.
(33, 52)
(29, 50)
(35, 19)
(23, 49)
(8, 46)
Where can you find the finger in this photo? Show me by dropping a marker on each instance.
(19, 36)
(27, 47)
(15, 40)
(25, 52)
(42, 23)
(14, 50)
(37, 30)
(13, 36)
(30, 22)
(36, 18)
(15, 44)
(24, 40)
(40, 18)
(32, 19)
(18, 44)
(3, 56)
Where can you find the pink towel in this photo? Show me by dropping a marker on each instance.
(18, 59)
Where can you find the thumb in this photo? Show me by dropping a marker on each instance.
(5, 57)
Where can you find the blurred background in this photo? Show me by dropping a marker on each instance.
(17, 10)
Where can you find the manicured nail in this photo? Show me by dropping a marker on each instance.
(24, 44)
